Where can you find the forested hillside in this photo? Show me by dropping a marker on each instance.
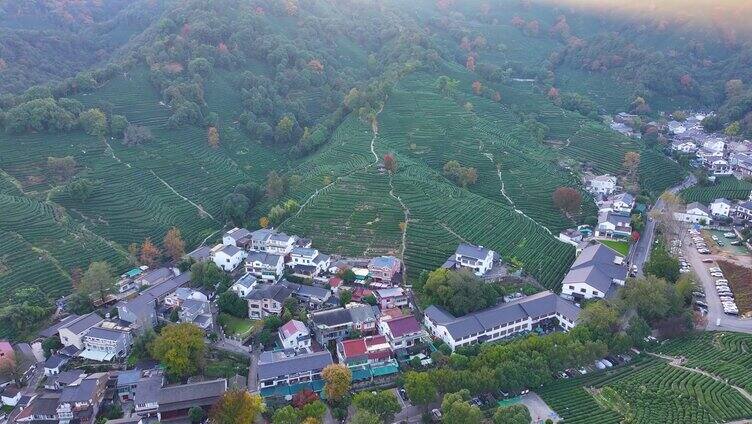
(371, 127)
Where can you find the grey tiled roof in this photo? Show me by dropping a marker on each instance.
(595, 266)
(53, 329)
(268, 259)
(144, 303)
(539, 304)
(276, 291)
(471, 251)
(83, 323)
(105, 333)
(331, 317)
(272, 365)
(192, 391)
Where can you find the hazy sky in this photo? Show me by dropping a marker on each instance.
(736, 14)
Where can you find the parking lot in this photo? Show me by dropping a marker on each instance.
(709, 300)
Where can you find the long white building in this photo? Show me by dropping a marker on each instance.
(500, 321)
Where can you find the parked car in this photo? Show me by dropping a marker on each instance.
(436, 414)
(707, 261)
(403, 394)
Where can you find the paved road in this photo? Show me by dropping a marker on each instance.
(715, 309)
(641, 251)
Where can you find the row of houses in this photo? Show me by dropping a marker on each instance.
(268, 254)
(718, 209)
(77, 397)
(379, 337)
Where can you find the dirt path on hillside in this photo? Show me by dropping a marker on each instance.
(676, 361)
(201, 210)
(315, 194)
(509, 199)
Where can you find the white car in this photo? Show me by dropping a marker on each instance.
(721, 281)
(714, 269)
(716, 274)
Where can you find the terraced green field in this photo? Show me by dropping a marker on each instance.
(726, 355)
(728, 187)
(424, 131)
(648, 390)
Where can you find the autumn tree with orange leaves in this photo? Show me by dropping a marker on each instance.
(173, 244)
(150, 254)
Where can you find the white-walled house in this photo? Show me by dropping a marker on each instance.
(264, 265)
(280, 243)
(228, 258)
(720, 207)
(623, 203)
(695, 213)
(295, 335)
(500, 321)
(244, 285)
(236, 237)
(613, 224)
(596, 273)
(602, 184)
(73, 332)
(308, 261)
(477, 258)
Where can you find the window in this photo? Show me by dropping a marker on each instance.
(571, 287)
(583, 291)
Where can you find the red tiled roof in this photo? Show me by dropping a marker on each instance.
(403, 325)
(335, 282)
(353, 347)
(292, 327)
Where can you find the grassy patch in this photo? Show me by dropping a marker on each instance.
(238, 326)
(620, 246)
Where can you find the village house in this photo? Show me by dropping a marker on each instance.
(54, 364)
(41, 409)
(266, 266)
(741, 163)
(200, 254)
(394, 297)
(227, 258)
(62, 379)
(197, 312)
(141, 311)
(153, 277)
(238, 237)
(720, 207)
(107, 342)
(80, 402)
(295, 335)
(684, 146)
(308, 261)
(596, 273)
(312, 296)
(613, 224)
(571, 236)
(743, 210)
(181, 294)
(267, 299)
(73, 332)
(283, 373)
(622, 203)
(126, 281)
(153, 402)
(477, 258)
(280, 244)
(383, 269)
(244, 285)
(367, 357)
(602, 184)
(403, 332)
(338, 323)
(10, 395)
(695, 213)
(500, 321)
